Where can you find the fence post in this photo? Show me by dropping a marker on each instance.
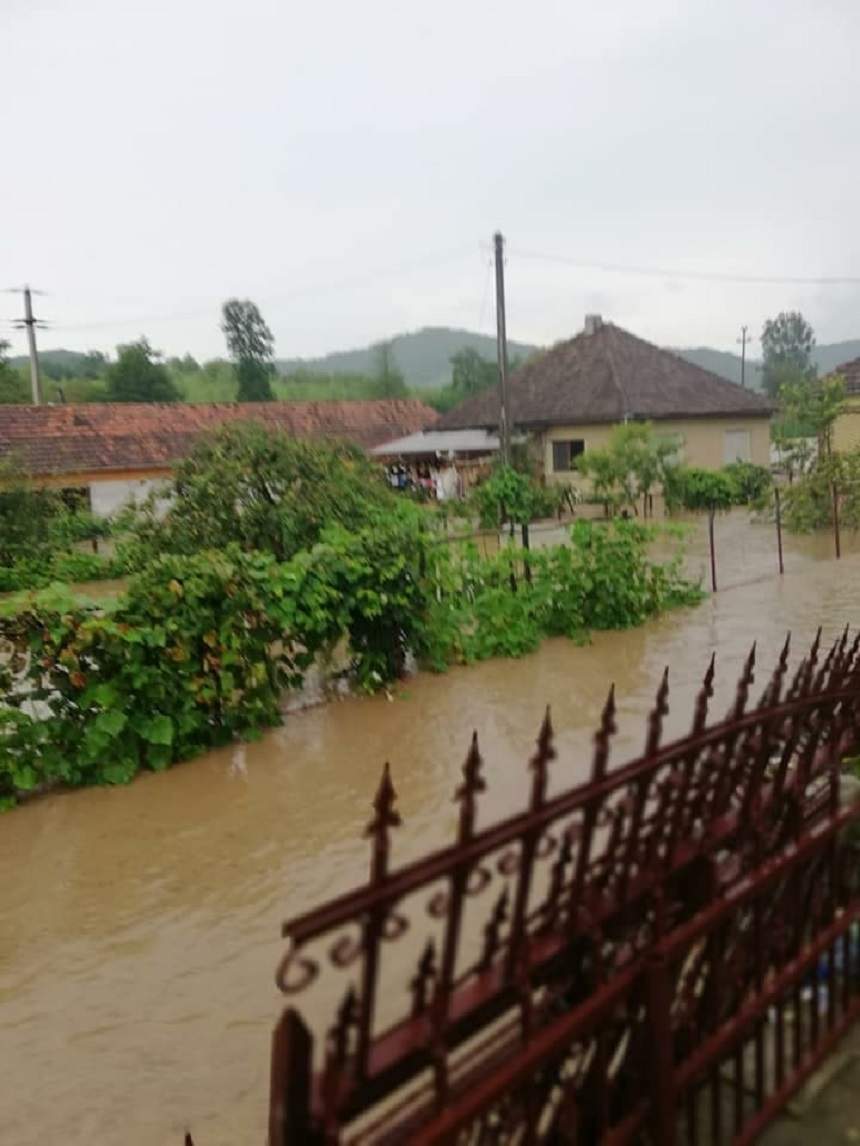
(290, 1084)
(713, 554)
(778, 528)
(663, 1099)
(526, 567)
(836, 520)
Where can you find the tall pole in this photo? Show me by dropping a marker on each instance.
(30, 324)
(743, 342)
(502, 350)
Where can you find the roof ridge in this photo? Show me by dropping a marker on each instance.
(613, 371)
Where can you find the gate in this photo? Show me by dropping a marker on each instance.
(661, 954)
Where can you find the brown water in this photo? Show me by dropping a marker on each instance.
(140, 925)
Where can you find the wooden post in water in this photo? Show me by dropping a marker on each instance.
(836, 520)
(713, 553)
(778, 528)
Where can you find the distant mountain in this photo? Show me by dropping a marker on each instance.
(69, 360)
(423, 355)
(826, 358)
(722, 363)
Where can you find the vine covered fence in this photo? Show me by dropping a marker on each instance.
(660, 954)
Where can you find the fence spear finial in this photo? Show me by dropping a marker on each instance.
(473, 784)
(603, 735)
(655, 719)
(540, 760)
(385, 816)
(705, 693)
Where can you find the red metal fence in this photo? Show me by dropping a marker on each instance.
(660, 954)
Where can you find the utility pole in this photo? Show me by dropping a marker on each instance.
(502, 351)
(743, 341)
(30, 323)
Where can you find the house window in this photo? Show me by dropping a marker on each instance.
(736, 446)
(564, 454)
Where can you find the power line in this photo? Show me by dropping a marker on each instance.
(702, 276)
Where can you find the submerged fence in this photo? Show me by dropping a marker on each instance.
(660, 954)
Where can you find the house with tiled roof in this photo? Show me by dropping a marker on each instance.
(570, 398)
(846, 428)
(119, 451)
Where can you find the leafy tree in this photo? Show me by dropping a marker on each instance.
(629, 467)
(188, 364)
(471, 373)
(25, 513)
(13, 386)
(390, 382)
(811, 406)
(251, 345)
(137, 377)
(256, 486)
(787, 342)
(509, 495)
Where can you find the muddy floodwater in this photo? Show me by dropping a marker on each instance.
(140, 925)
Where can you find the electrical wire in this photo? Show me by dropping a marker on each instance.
(701, 276)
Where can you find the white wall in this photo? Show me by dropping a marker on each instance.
(106, 497)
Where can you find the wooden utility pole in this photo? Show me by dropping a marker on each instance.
(743, 341)
(502, 351)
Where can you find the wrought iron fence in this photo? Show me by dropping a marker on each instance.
(661, 953)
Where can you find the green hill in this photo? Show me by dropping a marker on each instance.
(424, 356)
(723, 363)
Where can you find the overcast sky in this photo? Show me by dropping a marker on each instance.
(344, 165)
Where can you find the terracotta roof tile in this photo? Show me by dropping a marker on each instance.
(605, 377)
(131, 435)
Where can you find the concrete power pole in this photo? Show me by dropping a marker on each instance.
(30, 324)
(502, 351)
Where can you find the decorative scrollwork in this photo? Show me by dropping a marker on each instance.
(293, 962)
(394, 926)
(345, 950)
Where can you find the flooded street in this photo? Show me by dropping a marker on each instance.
(140, 925)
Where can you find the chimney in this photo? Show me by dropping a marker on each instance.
(593, 323)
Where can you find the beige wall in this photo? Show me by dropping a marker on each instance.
(702, 441)
(846, 428)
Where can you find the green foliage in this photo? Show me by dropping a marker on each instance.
(137, 377)
(13, 385)
(471, 373)
(787, 343)
(200, 647)
(38, 530)
(809, 407)
(752, 483)
(251, 346)
(71, 566)
(740, 483)
(602, 580)
(509, 495)
(687, 487)
(808, 501)
(196, 652)
(632, 464)
(263, 490)
(390, 382)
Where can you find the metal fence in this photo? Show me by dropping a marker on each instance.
(660, 954)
